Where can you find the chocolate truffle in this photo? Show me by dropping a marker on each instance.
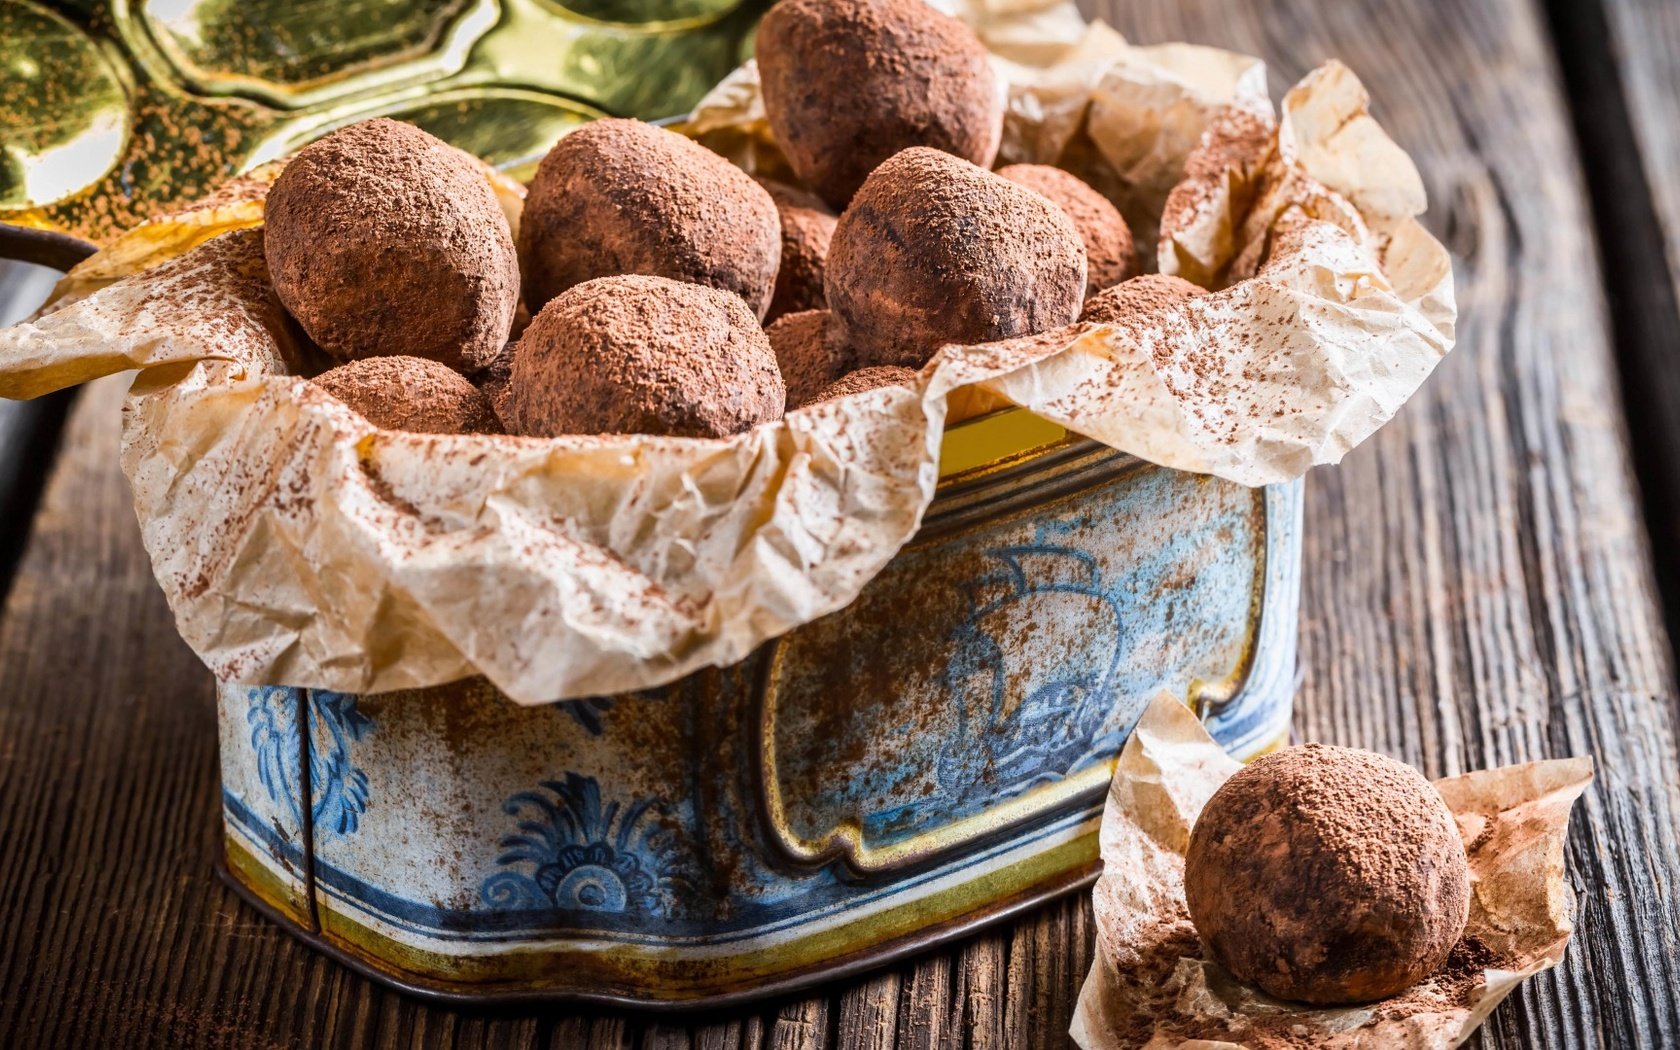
(643, 355)
(1148, 294)
(1107, 238)
(935, 250)
(849, 83)
(866, 379)
(410, 393)
(493, 378)
(380, 239)
(1328, 875)
(810, 352)
(623, 197)
(807, 227)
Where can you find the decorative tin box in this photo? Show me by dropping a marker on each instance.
(930, 759)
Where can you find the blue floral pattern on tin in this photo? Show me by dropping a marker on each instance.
(587, 712)
(339, 788)
(585, 855)
(1054, 725)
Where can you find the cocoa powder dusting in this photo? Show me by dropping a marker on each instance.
(1150, 982)
(810, 353)
(935, 250)
(1328, 875)
(623, 197)
(643, 355)
(383, 240)
(849, 83)
(807, 228)
(411, 393)
(866, 379)
(1139, 297)
(1109, 257)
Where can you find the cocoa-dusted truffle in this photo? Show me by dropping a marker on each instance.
(380, 239)
(1141, 295)
(410, 393)
(811, 353)
(807, 227)
(493, 378)
(643, 355)
(935, 250)
(866, 379)
(1328, 875)
(624, 197)
(849, 83)
(1107, 238)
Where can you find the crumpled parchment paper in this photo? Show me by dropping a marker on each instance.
(1149, 987)
(299, 545)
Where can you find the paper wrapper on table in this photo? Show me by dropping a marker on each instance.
(297, 544)
(1150, 987)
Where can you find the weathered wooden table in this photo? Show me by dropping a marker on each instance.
(1485, 584)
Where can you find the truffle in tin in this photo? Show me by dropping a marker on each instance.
(807, 228)
(810, 352)
(643, 355)
(866, 379)
(936, 250)
(849, 83)
(381, 240)
(1139, 296)
(1108, 240)
(1328, 875)
(623, 197)
(410, 393)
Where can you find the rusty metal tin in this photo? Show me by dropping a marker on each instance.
(928, 760)
(924, 762)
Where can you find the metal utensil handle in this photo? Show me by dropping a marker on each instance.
(58, 251)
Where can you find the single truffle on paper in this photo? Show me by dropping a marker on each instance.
(643, 355)
(866, 379)
(936, 250)
(1137, 297)
(1328, 875)
(1109, 258)
(810, 351)
(848, 83)
(381, 239)
(623, 197)
(410, 393)
(807, 227)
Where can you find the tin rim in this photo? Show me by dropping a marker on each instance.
(446, 993)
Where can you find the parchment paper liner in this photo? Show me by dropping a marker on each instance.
(1513, 819)
(298, 545)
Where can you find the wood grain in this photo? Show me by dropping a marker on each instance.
(1620, 63)
(1478, 592)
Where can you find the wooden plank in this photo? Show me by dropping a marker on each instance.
(1478, 588)
(1478, 593)
(1620, 61)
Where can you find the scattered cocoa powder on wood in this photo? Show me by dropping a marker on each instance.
(849, 83)
(623, 197)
